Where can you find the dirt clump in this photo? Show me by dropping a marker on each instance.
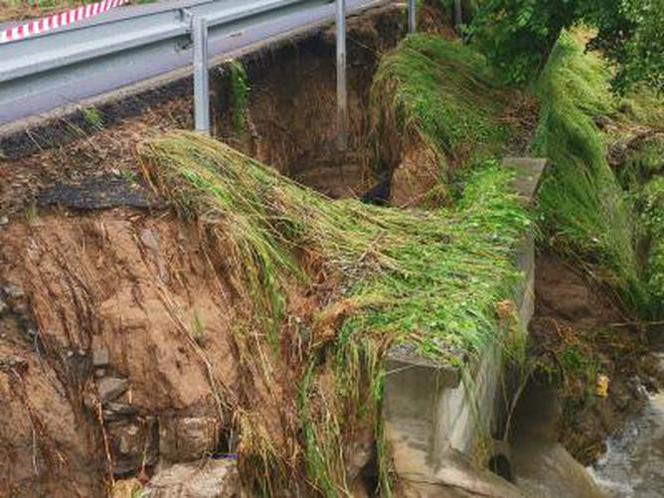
(579, 335)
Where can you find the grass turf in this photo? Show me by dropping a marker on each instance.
(431, 280)
(440, 94)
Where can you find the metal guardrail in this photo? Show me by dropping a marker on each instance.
(61, 68)
(133, 44)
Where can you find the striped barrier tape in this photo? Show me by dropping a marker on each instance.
(45, 24)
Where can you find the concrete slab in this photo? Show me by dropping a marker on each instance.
(430, 413)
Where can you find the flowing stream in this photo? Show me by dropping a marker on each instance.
(633, 466)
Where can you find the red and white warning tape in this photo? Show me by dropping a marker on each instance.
(45, 24)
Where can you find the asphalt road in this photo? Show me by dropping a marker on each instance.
(40, 101)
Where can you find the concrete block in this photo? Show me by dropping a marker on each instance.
(183, 439)
(209, 479)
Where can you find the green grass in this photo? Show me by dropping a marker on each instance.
(645, 107)
(428, 279)
(652, 204)
(642, 162)
(584, 214)
(440, 94)
(421, 275)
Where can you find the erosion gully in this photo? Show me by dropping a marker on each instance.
(287, 98)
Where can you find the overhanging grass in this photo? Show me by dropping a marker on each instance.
(419, 274)
(652, 204)
(441, 94)
(584, 213)
(431, 280)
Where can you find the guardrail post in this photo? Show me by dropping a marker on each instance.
(412, 17)
(201, 76)
(458, 14)
(342, 96)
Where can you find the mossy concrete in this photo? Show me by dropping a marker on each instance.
(437, 412)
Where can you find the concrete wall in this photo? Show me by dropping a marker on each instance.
(431, 413)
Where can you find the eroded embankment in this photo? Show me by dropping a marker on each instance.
(286, 119)
(99, 308)
(255, 323)
(233, 313)
(598, 303)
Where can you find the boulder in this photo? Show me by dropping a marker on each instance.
(182, 439)
(207, 479)
(133, 444)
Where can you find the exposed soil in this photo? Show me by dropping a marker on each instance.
(292, 108)
(578, 334)
(116, 344)
(121, 282)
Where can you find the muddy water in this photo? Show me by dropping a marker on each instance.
(633, 466)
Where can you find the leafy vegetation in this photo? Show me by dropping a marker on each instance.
(584, 212)
(239, 95)
(519, 35)
(652, 203)
(630, 35)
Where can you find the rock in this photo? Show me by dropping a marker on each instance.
(182, 439)
(110, 388)
(100, 358)
(150, 239)
(15, 299)
(13, 363)
(126, 488)
(4, 220)
(3, 307)
(116, 411)
(13, 291)
(211, 479)
(359, 453)
(133, 444)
